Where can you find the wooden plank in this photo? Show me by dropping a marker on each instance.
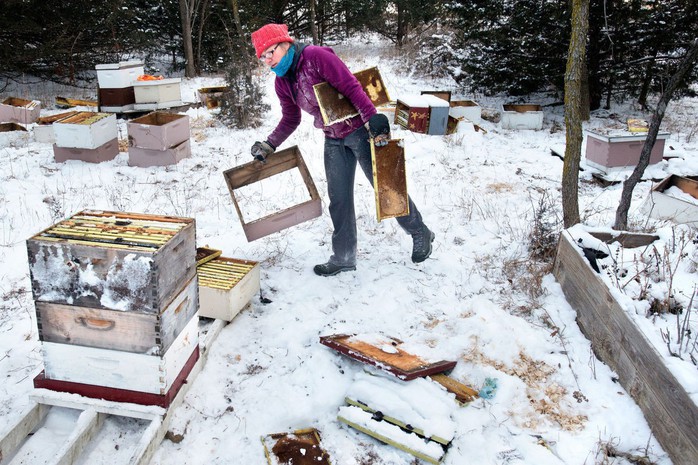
(463, 393)
(390, 179)
(86, 427)
(402, 364)
(335, 107)
(12, 437)
(669, 410)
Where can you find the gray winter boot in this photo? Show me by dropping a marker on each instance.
(421, 245)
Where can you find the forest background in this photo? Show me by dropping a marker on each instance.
(487, 46)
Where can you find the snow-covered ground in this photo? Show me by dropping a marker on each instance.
(474, 301)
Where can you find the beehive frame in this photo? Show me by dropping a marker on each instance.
(390, 179)
(255, 171)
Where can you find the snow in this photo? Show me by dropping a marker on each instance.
(267, 372)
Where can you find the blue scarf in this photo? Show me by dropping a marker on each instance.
(285, 63)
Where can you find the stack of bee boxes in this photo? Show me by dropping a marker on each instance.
(86, 136)
(116, 297)
(115, 82)
(158, 139)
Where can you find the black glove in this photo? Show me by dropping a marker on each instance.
(379, 129)
(261, 150)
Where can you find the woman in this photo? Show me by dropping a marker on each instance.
(297, 68)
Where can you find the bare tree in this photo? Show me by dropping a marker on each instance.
(574, 78)
(312, 19)
(186, 14)
(626, 195)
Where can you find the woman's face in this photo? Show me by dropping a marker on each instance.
(273, 55)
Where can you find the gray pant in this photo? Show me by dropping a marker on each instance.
(341, 156)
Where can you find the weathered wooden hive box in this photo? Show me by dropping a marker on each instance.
(116, 297)
(390, 180)
(466, 109)
(43, 131)
(19, 110)
(85, 130)
(153, 95)
(158, 139)
(620, 149)
(112, 260)
(211, 96)
(442, 94)
(522, 116)
(675, 198)
(115, 81)
(226, 285)
(254, 171)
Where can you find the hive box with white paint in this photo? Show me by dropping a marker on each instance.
(113, 260)
(19, 110)
(118, 75)
(85, 130)
(153, 95)
(522, 116)
(675, 198)
(226, 285)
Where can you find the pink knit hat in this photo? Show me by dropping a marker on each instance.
(268, 35)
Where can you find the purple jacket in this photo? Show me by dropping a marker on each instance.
(315, 65)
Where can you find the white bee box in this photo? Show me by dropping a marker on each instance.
(85, 130)
(158, 91)
(226, 285)
(118, 75)
(522, 116)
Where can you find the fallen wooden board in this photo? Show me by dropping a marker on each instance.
(463, 393)
(385, 354)
(73, 102)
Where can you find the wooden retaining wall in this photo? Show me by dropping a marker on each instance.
(670, 412)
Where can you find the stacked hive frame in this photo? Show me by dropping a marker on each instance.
(158, 139)
(115, 82)
(86, 136)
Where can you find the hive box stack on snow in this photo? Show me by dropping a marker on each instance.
(226, 285)
(612, 150)
(115, 82)
(522, 116)
(19, 110)
(116, 297)
(425, 114)
(157, 94)
(86, 136)
(158, 139)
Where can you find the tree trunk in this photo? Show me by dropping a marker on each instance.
(646, 82)
(574, 75)
(189, 70)
(401, 26)
(626, 195)
(313, 26)
(203, 15)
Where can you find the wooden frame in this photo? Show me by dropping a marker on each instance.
(390, 179)
(255, 171)
(402, 364)
(335, 107)
(616, 340)
(300, 447)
